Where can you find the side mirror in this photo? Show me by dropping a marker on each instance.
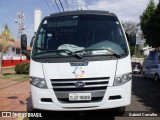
(131, 38)
(24, 46)
(127, 35)
(23, 42)
(31, 43)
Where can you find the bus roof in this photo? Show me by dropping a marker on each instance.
(82, 12)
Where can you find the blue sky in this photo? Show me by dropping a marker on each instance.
(9, 9)
(127, 10)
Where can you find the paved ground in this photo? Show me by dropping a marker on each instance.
(145, 97)
(14, 96)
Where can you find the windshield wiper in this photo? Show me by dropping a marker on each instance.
(63, 50)
(96, 49)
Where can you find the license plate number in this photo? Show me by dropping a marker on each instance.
(79, 96)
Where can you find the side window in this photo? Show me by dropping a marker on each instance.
(152, 56)
(41, 38)
(151, 67)
(159, 59)
(18, 51)
(50, 42)
(156, 66)
(40, 42)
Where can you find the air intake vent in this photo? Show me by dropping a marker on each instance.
(115, 97)
(46, 100)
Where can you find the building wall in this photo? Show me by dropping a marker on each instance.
(11, 54)
(11, 57)
(9, 63)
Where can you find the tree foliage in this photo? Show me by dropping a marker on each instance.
(22, 68)
(6, 34)
(156, 25)
(150, 24)
(6, 31)
(3, 44)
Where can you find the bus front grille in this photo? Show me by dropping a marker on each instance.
(95, 86)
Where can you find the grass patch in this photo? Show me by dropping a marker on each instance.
(26, 118)
(9, 74)
(9, 68)
(16, 77)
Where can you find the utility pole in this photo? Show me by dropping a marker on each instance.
(20, 21)
(21, 26)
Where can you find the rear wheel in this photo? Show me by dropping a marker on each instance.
(143, 75)
(156, 77)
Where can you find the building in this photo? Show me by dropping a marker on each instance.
(13, 54)
(139, 38)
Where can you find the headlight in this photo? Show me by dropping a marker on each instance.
(122, 79)
(38, 82)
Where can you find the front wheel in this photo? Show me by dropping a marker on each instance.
(156, 77)
(120, 111)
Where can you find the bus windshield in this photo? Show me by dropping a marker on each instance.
(85, 35)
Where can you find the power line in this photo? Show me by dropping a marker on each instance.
(77, 4)
(48, 4)
(83, 3)
(53, 5)
(68, 5)
(57, 5)
(61, 4)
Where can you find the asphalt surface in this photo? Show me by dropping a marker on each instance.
(145, 97)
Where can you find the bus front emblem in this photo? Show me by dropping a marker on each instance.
(79, 84)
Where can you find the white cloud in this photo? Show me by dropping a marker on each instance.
(126, 10)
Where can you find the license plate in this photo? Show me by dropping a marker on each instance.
(79, 96)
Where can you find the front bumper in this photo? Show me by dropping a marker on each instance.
(124, 91)
(136, 70)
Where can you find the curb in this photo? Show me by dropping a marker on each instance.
(8, 67)
(21, 118)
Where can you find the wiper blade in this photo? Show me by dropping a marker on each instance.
(64, 50)
(113, 53)
(72, 53)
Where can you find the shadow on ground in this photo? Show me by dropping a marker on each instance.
(148, 92)
(85, 115)
(96, 115)
(8, 73)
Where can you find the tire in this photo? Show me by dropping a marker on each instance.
(143, 75)
(156, 78)
(120, 111)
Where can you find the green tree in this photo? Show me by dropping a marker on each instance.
(6, 34)
(6, 31)
(155, 19)
(147, 20)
